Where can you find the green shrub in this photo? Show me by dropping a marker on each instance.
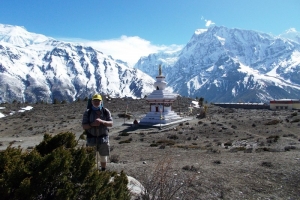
(125, 141)
(166, 142)
(173, 137)
(57, 169)
(266, 164)
(124, 134)
(288, 148)
(228, 143)
(295, 120)
(217, 162)
(55, 101)
(272, 138)
(294, 114)
(273, 122)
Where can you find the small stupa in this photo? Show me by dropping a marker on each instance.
(160, 102)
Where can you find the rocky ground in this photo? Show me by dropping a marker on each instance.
(230, 154)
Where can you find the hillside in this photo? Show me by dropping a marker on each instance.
(231, 154)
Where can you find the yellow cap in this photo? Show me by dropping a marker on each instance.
(97, 97)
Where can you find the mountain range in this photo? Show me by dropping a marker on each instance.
(219, 64)
(36, 68)
(232, 65)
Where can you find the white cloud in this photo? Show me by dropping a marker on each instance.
(127, 49)
(207, 22)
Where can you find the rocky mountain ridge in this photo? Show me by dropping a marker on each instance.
(232, 65)
(34, 68)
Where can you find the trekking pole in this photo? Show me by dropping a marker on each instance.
(96, 152)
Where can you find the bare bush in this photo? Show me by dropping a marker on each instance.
(164, 182)
(114, 158)
(288, 148)
(266, 164)
(273, 122)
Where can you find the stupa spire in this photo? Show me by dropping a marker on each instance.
(159, 70)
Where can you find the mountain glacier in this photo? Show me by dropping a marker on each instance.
(232, 65)
(35, 68)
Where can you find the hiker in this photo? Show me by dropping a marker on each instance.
(95, 121)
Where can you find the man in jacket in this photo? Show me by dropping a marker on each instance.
(95, 122)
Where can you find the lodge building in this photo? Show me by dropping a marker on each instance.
(277, 104)
(285, 104)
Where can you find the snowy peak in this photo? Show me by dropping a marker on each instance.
(234, 65)
(35, 68)
(291, 34)
(200, 31)
(149, 64)
(218, 63)
(19, 36)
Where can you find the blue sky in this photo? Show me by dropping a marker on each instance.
(128, 29)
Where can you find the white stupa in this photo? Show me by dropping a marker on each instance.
(160, 102)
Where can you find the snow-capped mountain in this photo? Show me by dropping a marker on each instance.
(18, 36)
(149, 64)
(291, 34)
(36, 68)
(219, 64)
(233, 65)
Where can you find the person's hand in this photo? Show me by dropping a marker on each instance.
(97, 122)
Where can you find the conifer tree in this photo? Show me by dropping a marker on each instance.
(57, 169)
